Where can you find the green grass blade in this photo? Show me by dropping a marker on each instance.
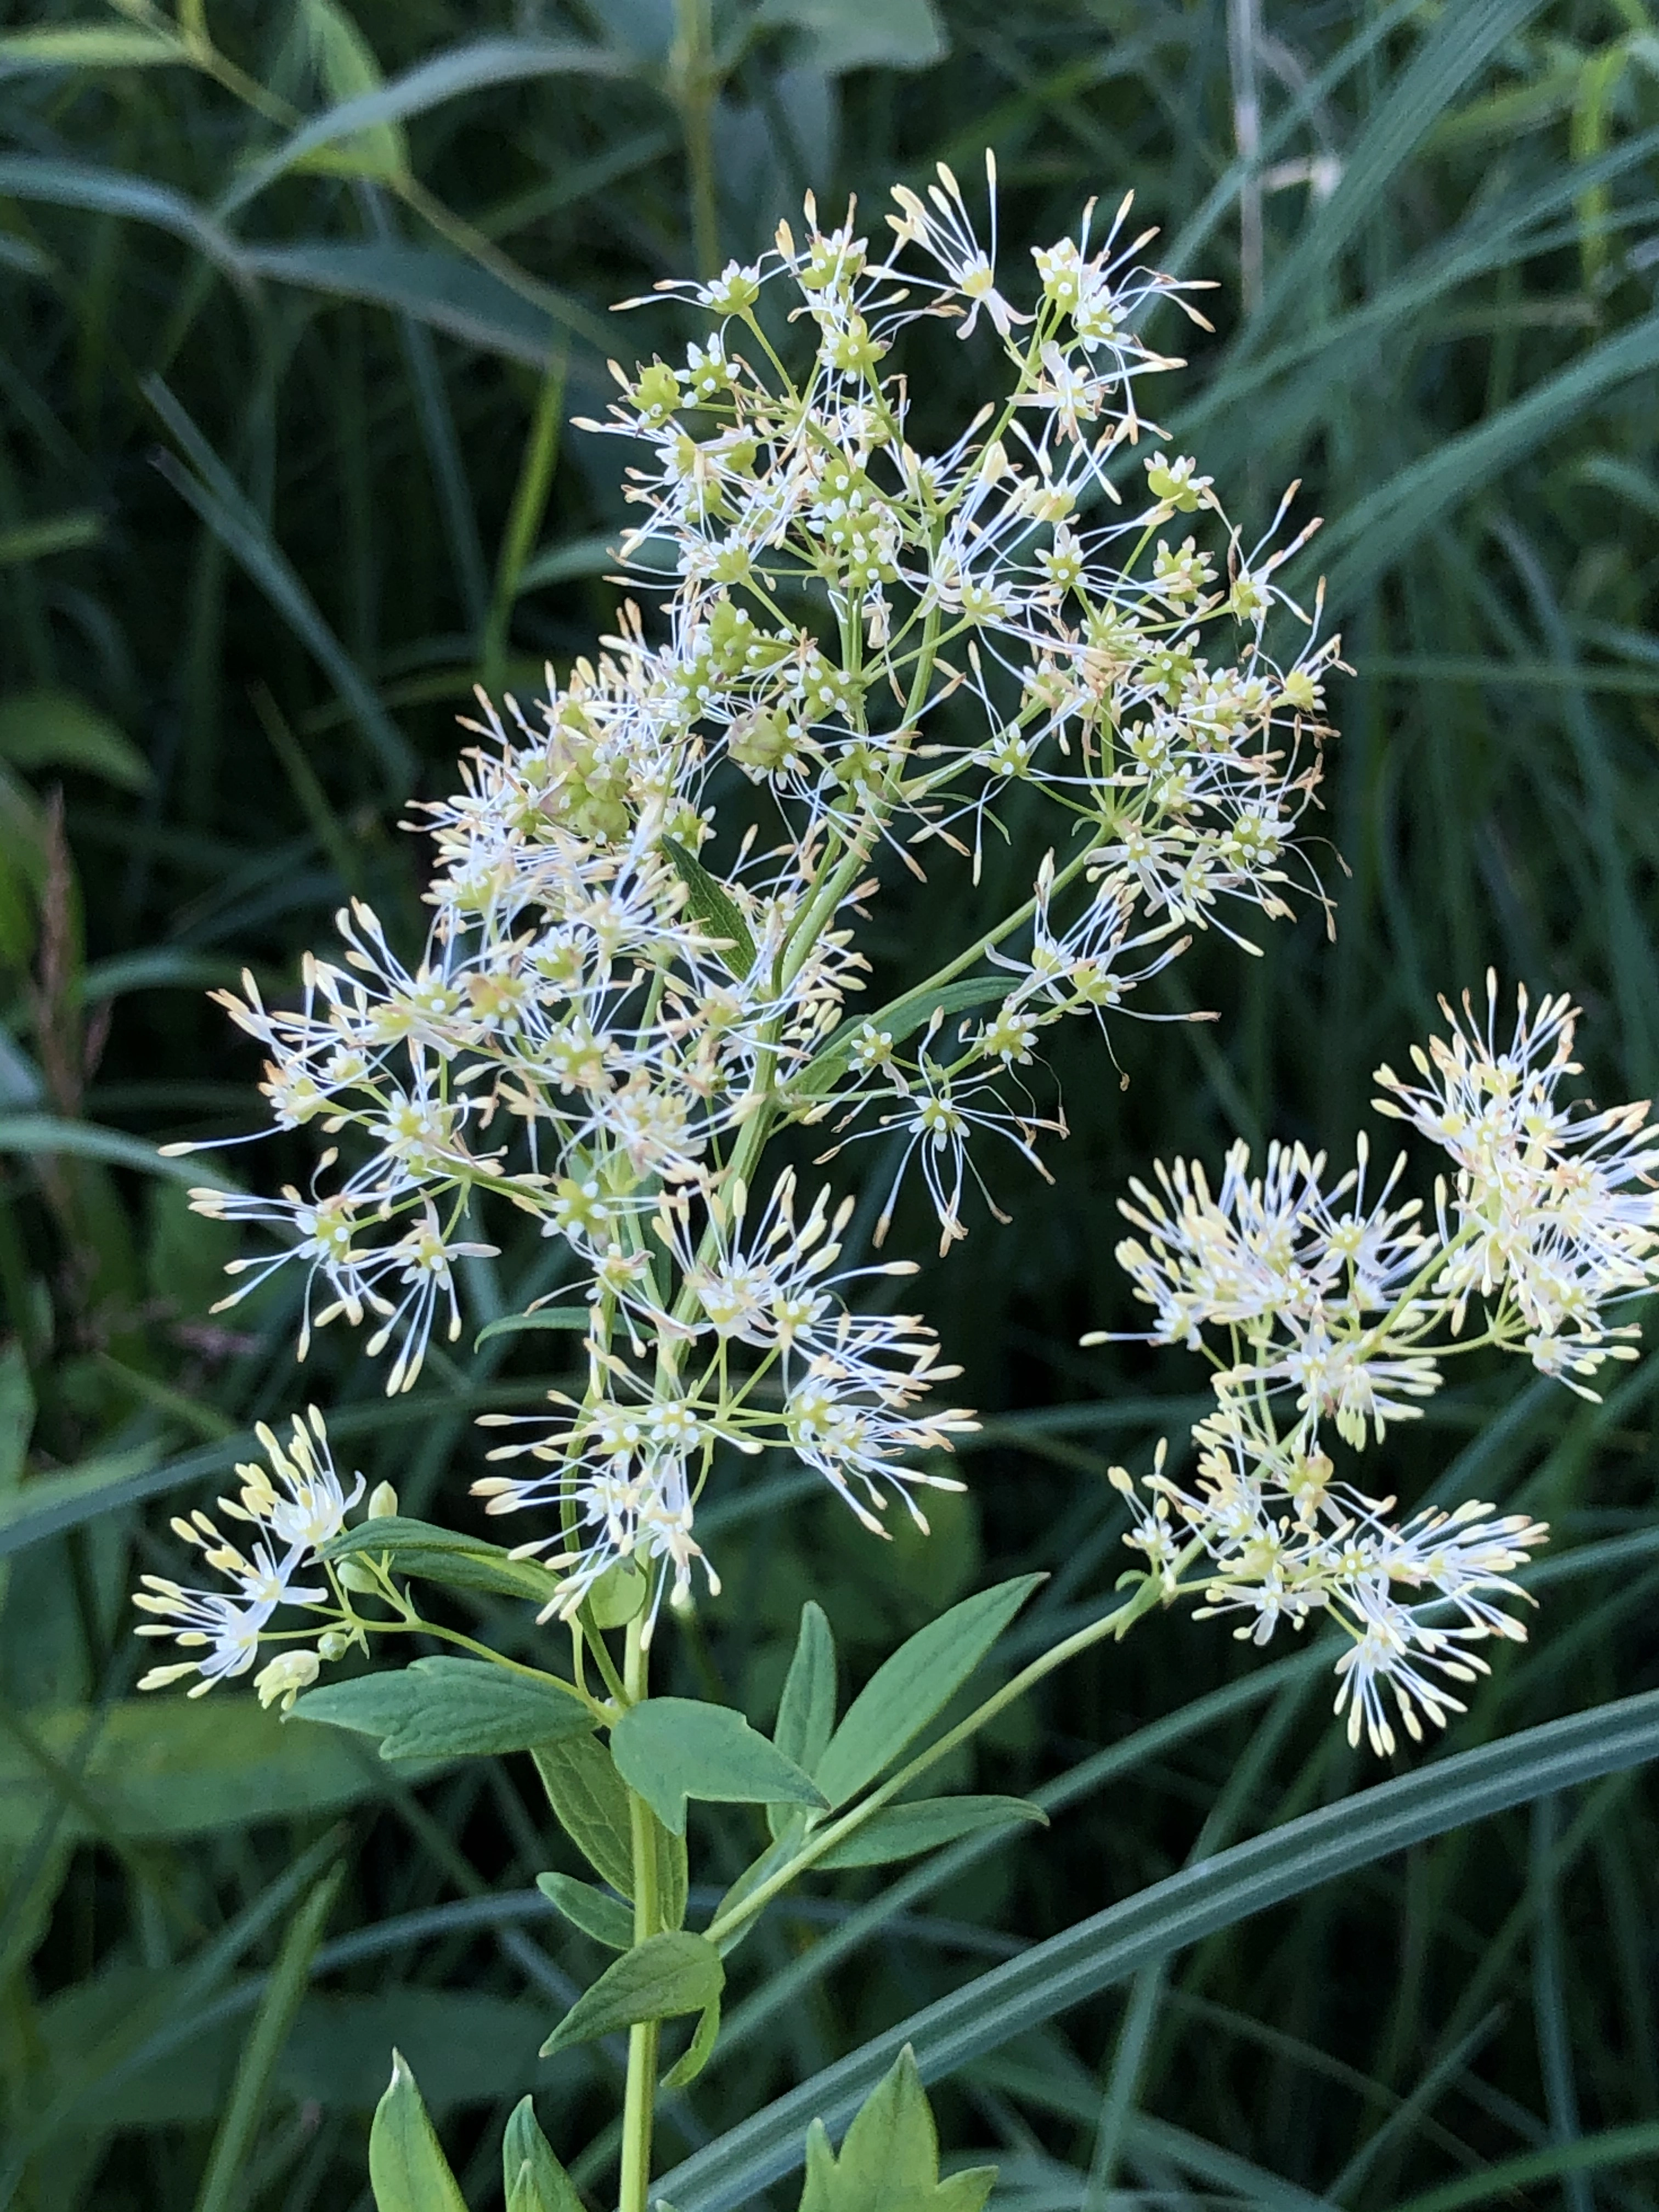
(447, 76)
(234, 2137)
(1379, 529)
(437, 288)
(217, 498)
(1166, 1917)
(1630, 2145)
(110, 191)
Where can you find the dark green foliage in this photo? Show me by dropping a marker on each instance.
(284, 467)
(890, 2159)
(445, 1708)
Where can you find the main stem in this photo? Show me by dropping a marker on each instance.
(640, 2099)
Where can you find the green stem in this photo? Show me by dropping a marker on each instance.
(541, 456)
(638, 2101)
(1116, 1624)
(694, 70)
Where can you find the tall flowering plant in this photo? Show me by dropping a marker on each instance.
(643, 970)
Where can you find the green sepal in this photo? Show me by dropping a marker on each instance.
(662, 1979)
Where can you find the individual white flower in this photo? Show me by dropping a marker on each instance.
(292, 1508)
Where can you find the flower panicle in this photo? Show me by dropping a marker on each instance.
(845, 647)
(1320, 1303)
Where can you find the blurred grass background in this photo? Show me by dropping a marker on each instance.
(283, 469)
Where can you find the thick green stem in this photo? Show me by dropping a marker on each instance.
(640, 2098)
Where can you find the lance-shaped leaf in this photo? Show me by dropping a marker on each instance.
(698, 2052)
(890, 2159)
(907, 1690)
(407, 2169)
(433, 1554)
(590, 1805)
(606, 1919)
(806, 1711)
(672, 1748)
(533, 2180)
(903, 1832)
(661, 1978)
(449, 1709)
(714, 908)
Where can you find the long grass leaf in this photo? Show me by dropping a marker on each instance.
(437, 288)
(111, 191)
(217, 498)
(234, 2139)
(1375, 533)
(1107, 1948)
(447, 76)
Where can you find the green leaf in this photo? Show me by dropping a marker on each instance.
(47, 534)
(1209, 1895)
(407, 2169)
(1631, 2145)
(56, 729)
(660, 1979)
(606, 1919)
(590, 1805)
(698, 2052)
(888, 2161)
(111, 191)
(851, 34)
(806, 1711)
(87, 45)
(219, 500)
(161, 1767)
(436, 288)
(448, 1708)
(532, 2178)
(443, 1555)
(778, 1853)
(346, 67)
(445, 76)
(903, 1832)
(911, 1688)
(668, 1749)
(574, 1318)
(900, 1020)
(1379, 530)
(714, 908)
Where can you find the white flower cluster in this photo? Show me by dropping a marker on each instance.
(641, 958)
(1322, 1304)
(291, 1509)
